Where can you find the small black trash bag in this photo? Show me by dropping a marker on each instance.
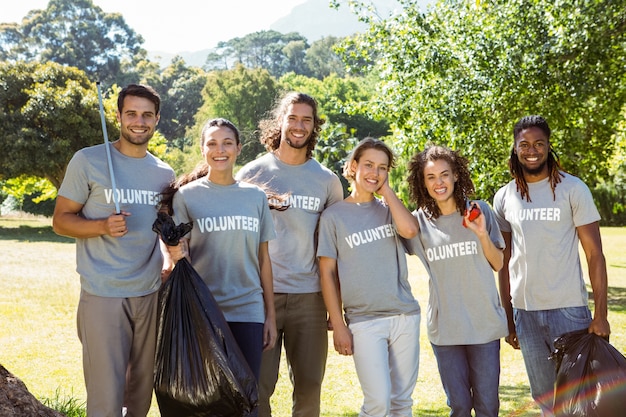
(591, 377)
(199, 369)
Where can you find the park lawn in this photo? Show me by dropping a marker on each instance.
(38, 343)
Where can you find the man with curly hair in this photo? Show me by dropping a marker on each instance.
(288, 168)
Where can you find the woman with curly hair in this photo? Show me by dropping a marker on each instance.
(465, 319)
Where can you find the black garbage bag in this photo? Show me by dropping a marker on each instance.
(199, 368)
(591, 377)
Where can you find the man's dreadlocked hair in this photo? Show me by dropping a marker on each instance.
(463, 188)
(515, 167)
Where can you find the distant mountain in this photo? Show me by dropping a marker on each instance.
(313, 19)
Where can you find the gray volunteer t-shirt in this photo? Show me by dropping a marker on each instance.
(545, 270)
(464, 304)
(229, 224)
(127, 266)
(371, 260)
(311, 188)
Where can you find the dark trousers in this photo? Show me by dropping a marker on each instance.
(249, 337)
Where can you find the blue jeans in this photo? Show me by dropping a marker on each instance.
(536, 331)
(470, 375)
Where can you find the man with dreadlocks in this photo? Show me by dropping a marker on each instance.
(543, 214)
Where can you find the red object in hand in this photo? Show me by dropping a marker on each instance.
(473, 213)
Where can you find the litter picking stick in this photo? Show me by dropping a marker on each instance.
(108, 150)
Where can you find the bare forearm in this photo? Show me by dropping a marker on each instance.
(599, 284)
(67, 221)
(267, 280)
(591, 242)
(505, 296)
(73, 225)
(406, 224)
(504, 281)
(330, 293)
(494, 255)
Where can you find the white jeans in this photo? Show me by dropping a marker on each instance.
(386, 357)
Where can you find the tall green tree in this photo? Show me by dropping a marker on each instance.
(295, 53)
(241, 95)
(463, 73)
(76, 33)
(180, 87)
(321, 59)
(333, 147)
(276, 52)
(47, 112)
(343, 101)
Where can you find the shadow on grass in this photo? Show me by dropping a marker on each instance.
(32, 234)
(430, 412)
(515, 401)
(616, 299)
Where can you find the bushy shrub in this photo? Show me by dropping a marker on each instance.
(42, 208)
(610, 198)
(9, 205)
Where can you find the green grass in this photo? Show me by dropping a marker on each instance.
(70, 406)
(38, 343)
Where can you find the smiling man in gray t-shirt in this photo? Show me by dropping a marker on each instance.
(118, 256)
(288, 168)
(543, 214)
